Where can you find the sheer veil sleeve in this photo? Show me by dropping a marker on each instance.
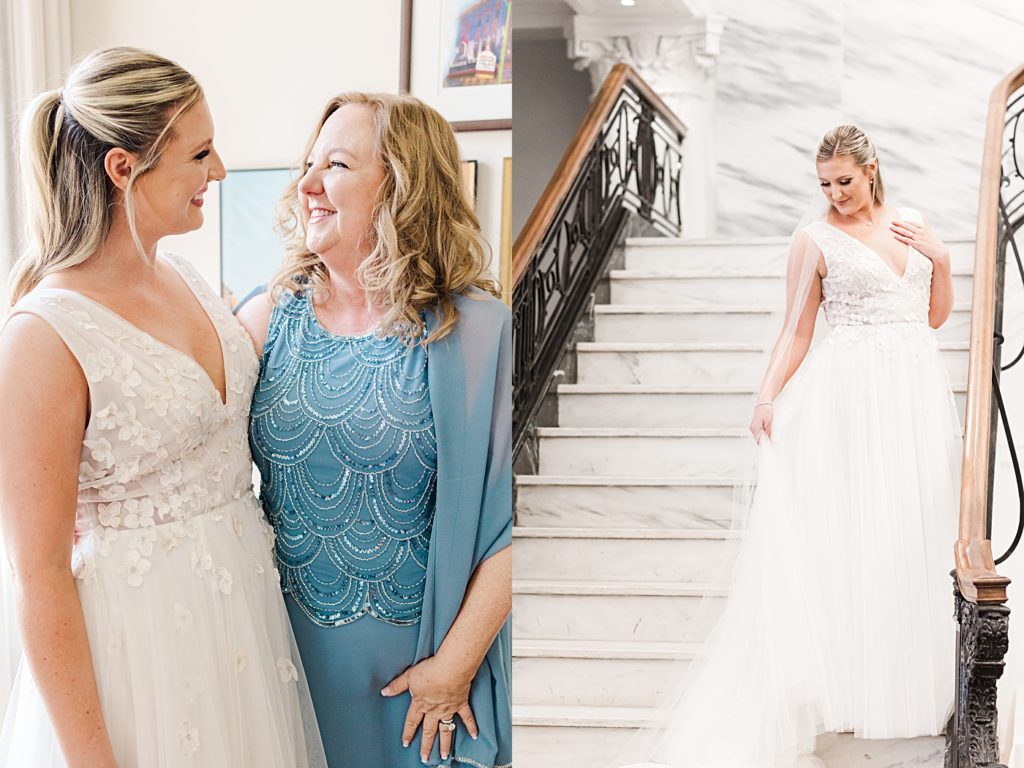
(801, 290)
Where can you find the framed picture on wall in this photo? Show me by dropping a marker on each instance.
(505, 254)
(469, 170)
(251, 250)
(457, 57)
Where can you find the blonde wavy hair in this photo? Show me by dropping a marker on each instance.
(850, 140)
(115, 97)
(426, 246)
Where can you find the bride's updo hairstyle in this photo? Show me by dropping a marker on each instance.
(850, 140)
(116, 97)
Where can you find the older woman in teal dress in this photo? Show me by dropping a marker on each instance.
(381, 427)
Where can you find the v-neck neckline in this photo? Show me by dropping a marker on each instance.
(876, 254)
(222, 399)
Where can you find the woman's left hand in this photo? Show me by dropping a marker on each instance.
(921, 238)
(439, 692)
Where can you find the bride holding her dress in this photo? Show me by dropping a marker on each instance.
(838, 618)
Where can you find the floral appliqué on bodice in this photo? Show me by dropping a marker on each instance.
(161, 448)
(165, 498)
(343, 435)
(861, 289)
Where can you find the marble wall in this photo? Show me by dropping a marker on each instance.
(915, 74)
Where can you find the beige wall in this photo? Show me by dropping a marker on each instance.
(267, 68)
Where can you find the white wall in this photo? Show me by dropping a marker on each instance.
(916, 75)
(267, 68)
(551, 99)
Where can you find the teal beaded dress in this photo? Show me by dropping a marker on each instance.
(343, 435)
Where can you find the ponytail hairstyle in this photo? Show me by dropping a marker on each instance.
(116, 97)
(850, 140)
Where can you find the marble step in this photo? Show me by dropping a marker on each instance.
(635, 405)
(546, 736)
(697, 287)
(659, 452)
(608, 610)
(638, 554)
(585, 737)
(574, 501)
(711, 323)
(842, 750)
(601, 674)
(697, 365)
(728, 256)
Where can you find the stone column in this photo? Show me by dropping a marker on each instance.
(676, 56)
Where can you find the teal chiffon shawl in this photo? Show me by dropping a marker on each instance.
(470, 379)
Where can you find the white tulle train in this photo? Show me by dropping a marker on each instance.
(839, 617)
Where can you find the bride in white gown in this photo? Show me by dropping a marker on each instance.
(840, 612)
(153, 627)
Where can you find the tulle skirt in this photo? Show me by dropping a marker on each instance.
(193, 654)
(839, 617)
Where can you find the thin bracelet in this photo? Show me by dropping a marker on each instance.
(766, 402)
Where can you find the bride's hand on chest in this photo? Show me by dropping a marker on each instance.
(921, 238)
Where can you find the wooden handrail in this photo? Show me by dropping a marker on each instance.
(572, 161)
(975, 567)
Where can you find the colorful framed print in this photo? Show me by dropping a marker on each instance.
(457, 57)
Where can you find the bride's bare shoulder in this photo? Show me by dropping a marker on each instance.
(35, 361)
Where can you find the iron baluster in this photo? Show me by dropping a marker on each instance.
(633, 167)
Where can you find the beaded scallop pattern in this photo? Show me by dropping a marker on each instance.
(861, 289)
(343, 434)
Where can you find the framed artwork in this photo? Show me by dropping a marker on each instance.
(469, 171)
(457, 57)
(505, 254)
(251, 250)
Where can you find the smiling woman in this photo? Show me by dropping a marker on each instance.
(381, 426)
(152, 628)
(338, 189)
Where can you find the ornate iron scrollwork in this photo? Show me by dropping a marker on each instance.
(982, 642)
(1011, 219)
(634, 166)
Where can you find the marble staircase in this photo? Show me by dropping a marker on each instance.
(617, 532)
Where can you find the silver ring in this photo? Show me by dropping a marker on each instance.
(447, 725)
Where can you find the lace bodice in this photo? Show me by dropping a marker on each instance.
(861, 289)
(160, 446)
(343, 435)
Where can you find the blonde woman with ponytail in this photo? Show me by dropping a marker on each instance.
(837, 617)
(151, 623)
(381, 426)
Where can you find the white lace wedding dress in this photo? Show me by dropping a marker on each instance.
(840, 613)
(191, 645)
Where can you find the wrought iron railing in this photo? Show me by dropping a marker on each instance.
(625, 159)
(979, 591)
